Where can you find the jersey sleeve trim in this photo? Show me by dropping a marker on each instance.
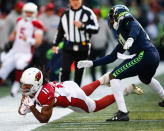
(20, 18)
(38, 24)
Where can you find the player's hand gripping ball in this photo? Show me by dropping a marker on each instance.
(26, 104)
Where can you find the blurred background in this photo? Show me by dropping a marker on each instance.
(150, 13)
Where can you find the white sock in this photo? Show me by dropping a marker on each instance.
(118, 94)
(128, 90)
(156, 86)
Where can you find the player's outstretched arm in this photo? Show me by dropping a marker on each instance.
(12, 36)
(36, 41)
(84, 63)
(20, 109)
(104, 60)
(44, 115)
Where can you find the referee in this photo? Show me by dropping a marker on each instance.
(76, 26)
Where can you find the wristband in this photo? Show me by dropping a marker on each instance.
(31, 41)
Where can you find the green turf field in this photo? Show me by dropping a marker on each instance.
(4, 90)
(145, 114)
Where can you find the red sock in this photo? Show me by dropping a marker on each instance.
(104, 102)
(88, 89)
(1, 81)
(18, 75)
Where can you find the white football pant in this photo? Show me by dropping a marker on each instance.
(75, 91)
(14, 60)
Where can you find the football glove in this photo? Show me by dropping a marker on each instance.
(24, 109)
(128, 43)
(84, 63)
(28, 102)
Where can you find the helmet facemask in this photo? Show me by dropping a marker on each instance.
(28, 17)
(117, 14)
(26, 89)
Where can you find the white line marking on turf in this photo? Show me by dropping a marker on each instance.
(77, 128)
(11, 120)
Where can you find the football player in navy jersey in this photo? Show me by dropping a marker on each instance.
(142, 61)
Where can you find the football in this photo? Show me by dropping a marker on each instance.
(23, 108)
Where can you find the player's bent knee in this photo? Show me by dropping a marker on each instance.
(145, 81)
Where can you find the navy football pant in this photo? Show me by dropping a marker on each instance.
(144, 65)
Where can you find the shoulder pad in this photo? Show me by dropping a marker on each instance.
(38, 24)
(46, 95)
(20, 18)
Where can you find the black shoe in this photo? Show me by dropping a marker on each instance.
(120, 116)
(161, 104)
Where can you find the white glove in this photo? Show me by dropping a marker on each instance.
(24, 109)
(28, 102)
(128, 43)
(84, 63)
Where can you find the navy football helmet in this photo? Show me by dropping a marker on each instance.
(118, 13)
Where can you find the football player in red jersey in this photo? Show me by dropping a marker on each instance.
(27, 34)
(37, 90)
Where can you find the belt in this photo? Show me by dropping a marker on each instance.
(76, 43)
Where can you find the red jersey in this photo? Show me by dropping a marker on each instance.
(51, 92)
(66, 94)
(27, 28)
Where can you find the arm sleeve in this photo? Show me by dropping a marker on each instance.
(91, 26)
(109, 58)
(45, 99)
(60, 34)
(133, 28)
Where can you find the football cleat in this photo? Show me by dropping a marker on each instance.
(137, 90)
(120, 116)
(161, 104)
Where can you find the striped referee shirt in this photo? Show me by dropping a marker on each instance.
(70, 32)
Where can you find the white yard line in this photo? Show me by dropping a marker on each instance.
(10, 120)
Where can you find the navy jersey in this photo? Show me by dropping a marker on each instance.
(127, 29)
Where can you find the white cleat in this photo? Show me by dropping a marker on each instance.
(137, 90)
